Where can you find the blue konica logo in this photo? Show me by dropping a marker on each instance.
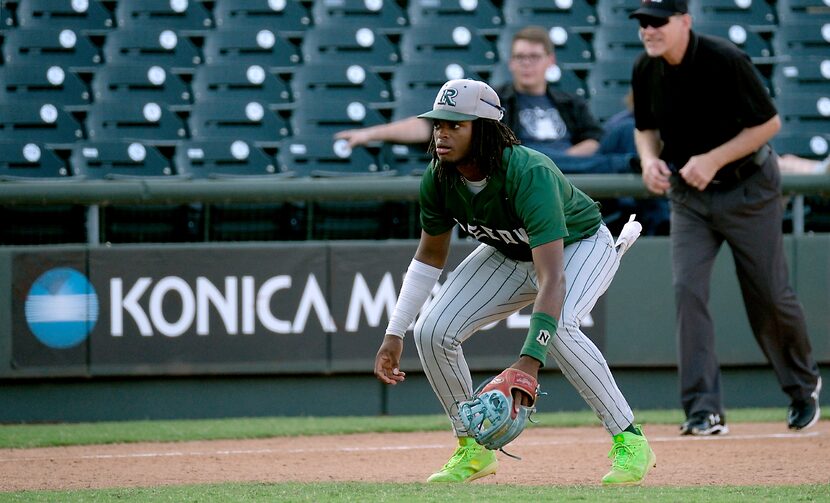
(61, 308)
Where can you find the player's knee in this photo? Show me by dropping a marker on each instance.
(431, 333)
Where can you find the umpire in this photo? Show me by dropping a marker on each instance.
(703, 119)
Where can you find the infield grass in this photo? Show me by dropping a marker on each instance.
(358, 492)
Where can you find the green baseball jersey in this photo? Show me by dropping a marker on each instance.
(527, 202)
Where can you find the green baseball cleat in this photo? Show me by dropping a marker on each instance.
(469, 462)
(632, 458)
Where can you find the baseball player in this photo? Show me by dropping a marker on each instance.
(542, 242)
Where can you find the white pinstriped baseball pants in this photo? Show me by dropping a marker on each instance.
(487, 287)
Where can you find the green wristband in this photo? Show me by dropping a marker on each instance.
(541, 333)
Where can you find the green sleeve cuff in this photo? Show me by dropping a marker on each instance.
(540, 334)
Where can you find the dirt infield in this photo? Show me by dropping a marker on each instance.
(751, 454)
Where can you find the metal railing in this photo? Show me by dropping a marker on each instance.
(96, 193)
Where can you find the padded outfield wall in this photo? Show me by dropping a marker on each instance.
(126, 332)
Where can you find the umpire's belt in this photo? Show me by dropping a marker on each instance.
(738, 171)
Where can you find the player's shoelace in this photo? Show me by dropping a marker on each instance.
(621, 454)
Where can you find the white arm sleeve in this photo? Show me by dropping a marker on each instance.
(417, 285)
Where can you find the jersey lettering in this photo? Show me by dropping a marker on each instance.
(505, 236)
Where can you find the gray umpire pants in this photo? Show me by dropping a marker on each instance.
(748, 217)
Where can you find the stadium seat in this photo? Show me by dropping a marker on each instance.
(44, 83)
(43, 122)
(318, 155)
(603, 106)
(482, 16)
(154, 45)
(796, 11)
(564, 79)
(618, 42)
(180, 15)
(446, 42)
(30, 160)
(808, 144)
(610, 77)
(6, 16)
(802, 76)
(355, 43)
(615, 11)
(289, 18)
(240, 81)
(119, 159)
(407, 160)
(88, 17)
(804, 112)
(757, 15)
(250, 120)
(144, 82)
(251, 47)
(575, 14)
(807, 38)
(339, 82)
(226, 158)
(49, 46)
(385, 16)
(751, 42)
(326, 119)
(144, 121)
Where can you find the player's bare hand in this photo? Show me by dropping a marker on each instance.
(388, 361)
(354, 137)
(531, 367)
(656, 175)
(699, 171)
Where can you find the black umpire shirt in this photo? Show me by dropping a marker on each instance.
(705, 101)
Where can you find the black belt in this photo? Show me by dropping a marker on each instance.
(738, 171)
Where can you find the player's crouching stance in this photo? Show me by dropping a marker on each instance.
(543, 242)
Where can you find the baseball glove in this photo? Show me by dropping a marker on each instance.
(491, 416)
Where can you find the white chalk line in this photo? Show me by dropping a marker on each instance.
(527, 443)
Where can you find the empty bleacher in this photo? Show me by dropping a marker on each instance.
(204, 90)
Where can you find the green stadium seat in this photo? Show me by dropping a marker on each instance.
(385, 17)
(448, 42)
(180, 15)
(356, 42)
(320, 118)
(43, 83)
(144, 82)
(481, 16)
(796, 11)
(43, 122)
(50, 46)
(240, 81)
(577, 14)
(804, 112)
(263, 47)
(88, 17)
(119, 159)
(618, 42)
(289, 19)
(808, 144)
(228, 158)
(339, 82)
(249, 120)
(802, 76)
(755, 44)
(808, 38)
(144, 121)
(609, 77)
(30, 160)
(322, 156)
(615, 11)
(755, 16)
(155, 45)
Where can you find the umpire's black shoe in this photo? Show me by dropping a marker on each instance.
(804, 413)
(704, 423)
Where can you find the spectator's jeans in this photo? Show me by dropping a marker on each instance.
(748, 217)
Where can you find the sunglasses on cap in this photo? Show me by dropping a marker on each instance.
(654, 22)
